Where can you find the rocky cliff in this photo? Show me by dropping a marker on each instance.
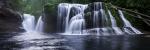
(10, 20)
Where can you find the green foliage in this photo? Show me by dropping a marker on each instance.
(114, 14)
(34, 7)
(16, 4)
(131, 3)
(141, 6)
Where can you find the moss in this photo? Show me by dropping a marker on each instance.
(115, 14)
(107, 15)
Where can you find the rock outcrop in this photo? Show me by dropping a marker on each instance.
(10, 20)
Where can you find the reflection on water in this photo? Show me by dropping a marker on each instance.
(73, 42)
(103, 43)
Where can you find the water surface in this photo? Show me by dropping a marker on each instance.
(10, 41)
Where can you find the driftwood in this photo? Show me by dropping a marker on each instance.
(147, 21)
(117, 7)
(134, 12)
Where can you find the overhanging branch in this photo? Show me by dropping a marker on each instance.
(116, 7)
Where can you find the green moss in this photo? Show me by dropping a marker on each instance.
(115, 14)
(107, 15)
(15, 4)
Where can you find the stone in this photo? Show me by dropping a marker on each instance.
(10, 21)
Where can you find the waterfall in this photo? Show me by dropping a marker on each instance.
(29, 23)
(116, 29)
(97, 14)
(77, 23)
(96, 19)
(128, 28)
(100, 20)
(113, 20)
(72, 22)
(39, 25)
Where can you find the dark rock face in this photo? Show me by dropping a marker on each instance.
(10, 20)
(89, 14)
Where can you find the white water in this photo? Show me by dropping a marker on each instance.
(116, 29)
(100, 20)
(96, 19)
(113, 20)
(74, 23)
(29, 23)
(39, 25)
(128, 28)
(71, 20)
(32, 31)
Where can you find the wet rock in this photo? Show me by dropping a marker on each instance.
(10, 21)
(89, 14)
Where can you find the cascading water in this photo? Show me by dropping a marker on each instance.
(73, 23)
(100, 20)
(71, 19)
(97, 14)
(127, 25)
(96, 18)
(32, 31)
(39, 25)
(116, 29)
(77, 23)
(29, 23)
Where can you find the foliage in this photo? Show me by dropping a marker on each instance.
(138, 5)
(14, 4)
(34, 7)
(141, 6)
